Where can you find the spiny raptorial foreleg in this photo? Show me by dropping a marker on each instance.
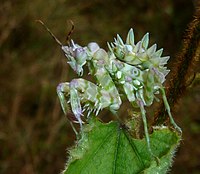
(80, 92)
(68, 93)
(63, 92)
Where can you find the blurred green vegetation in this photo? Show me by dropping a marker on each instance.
(34, 133)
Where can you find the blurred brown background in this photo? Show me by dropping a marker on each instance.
(34, 134)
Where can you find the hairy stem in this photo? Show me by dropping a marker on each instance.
(184, 68)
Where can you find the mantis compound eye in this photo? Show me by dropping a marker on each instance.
(80, 58)
(80, 55)
(76, 56)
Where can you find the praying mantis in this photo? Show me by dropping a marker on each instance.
(128, 69)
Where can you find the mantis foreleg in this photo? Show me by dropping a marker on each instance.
(82, 91)
(63, 92)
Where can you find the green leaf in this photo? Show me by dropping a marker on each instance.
(110, 149)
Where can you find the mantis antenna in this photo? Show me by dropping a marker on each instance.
(59, 43)
(70, 32)
(54, 37)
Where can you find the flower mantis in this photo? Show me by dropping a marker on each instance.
(128, 68)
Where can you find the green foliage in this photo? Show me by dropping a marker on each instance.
(109, 148)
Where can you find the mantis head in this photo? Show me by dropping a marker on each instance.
(77, 56)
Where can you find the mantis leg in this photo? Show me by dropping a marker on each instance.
(144, 119)
(63, 92)
(168, 111)
(138, 99)
(131, 97)
(68, 90)
(82, 91)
